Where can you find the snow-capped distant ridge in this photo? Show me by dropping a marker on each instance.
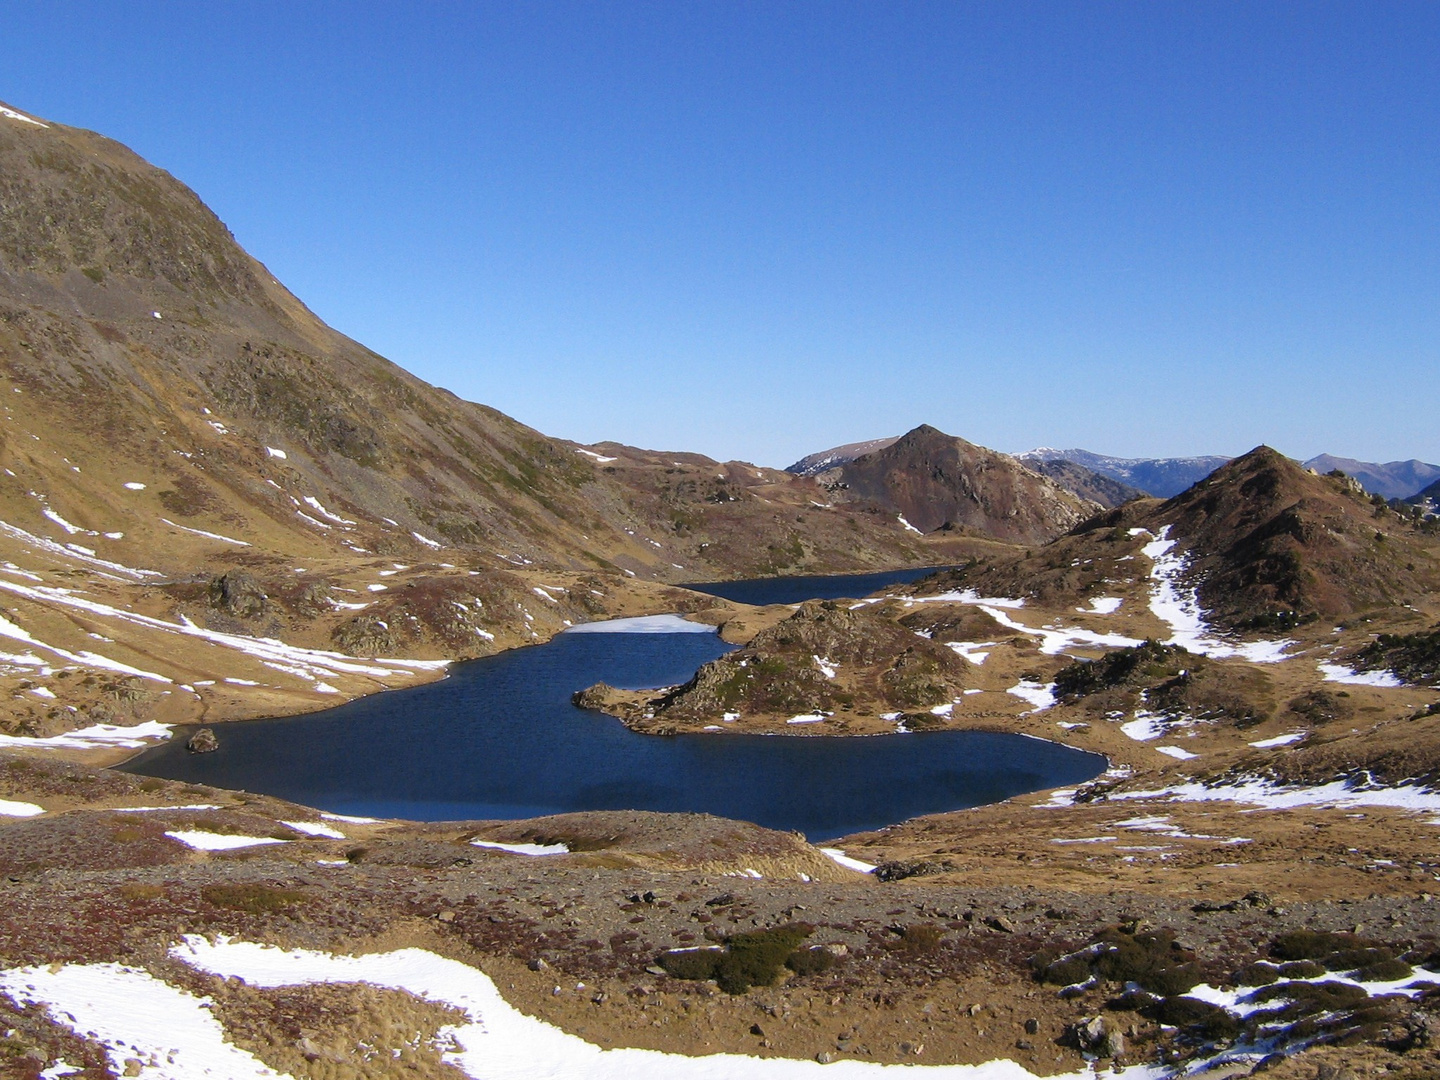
(838, 455)
(1162, 477)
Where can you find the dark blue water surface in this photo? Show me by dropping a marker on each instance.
(795, 590)
(499, 738)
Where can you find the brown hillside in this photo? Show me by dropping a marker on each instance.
(130, 318)
(935, 480)
(1269, 544)
(1266, 536)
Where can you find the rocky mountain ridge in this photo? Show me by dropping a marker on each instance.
(934, 482)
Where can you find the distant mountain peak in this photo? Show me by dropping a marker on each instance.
(933, 480)
(838, 455)
(1161, 477)
(1392, 479)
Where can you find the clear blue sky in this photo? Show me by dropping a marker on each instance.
(760, 229)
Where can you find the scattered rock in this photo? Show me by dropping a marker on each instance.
(899, 870)
(1032, 1026)
(1000, 923)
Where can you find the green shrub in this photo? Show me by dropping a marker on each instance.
(136, 891)
(254, 899)
(810, 961)
(1066, 972)
(753, 959)
(1415, 658)
(1150, 958)
(1385, 971)
(1350, 959)
(695, 965)
(921, 938)
(1175, 979)
(1209, 1021)
(1257, 975)
(1307, 999)
(1301, 969)
(1311, 944)
(1143, 662)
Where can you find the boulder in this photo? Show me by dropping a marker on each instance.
(238, 593)
(203, 742)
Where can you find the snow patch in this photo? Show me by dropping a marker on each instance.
(315, 828)
(1176, 605)
(208, 535)
(643, 624)
(98, 736)
(1339, 673)
(119, 1006)
(1339, 794)
(1280, 740)
(1176, 752)
(201, 840)
(1040, 695)
(523, 849)
(315, 505)
(13, 115)
(836, 855)
(1054, 639)
(973, 651)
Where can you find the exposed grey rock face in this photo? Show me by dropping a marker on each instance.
(238, 593)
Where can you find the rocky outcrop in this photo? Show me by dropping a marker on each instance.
(238, 593)
(823, 661)
(203, 742)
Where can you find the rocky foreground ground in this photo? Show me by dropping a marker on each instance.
(927, 961)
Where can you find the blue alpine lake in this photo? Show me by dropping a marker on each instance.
(499, 738)
(794, 590)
